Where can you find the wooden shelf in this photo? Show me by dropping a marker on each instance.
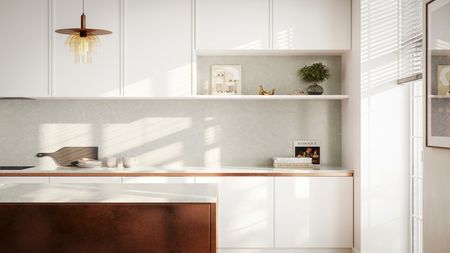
(440, 96)
(269, 52)
(206, 97)
(274, 97)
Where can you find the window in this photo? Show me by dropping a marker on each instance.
(411, 41)
(410, 70)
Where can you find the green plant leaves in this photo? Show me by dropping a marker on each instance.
(315, 73)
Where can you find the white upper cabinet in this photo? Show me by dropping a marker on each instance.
(24, 54)
(158, 48)
(245, 211)
(313, 212)
(312, 24)
(232, 24)
(101, 78)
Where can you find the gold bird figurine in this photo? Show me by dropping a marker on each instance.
(265, 93)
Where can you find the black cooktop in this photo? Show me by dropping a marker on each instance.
(15, 167)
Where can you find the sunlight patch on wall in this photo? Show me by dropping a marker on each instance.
(168, 155)
(141, 135)
(55, 136)
(212, 135)
(213, 157)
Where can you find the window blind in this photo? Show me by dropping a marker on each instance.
(410, 41)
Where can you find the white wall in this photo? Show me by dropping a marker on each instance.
(436, 193)
(351, 115)
(436, 201)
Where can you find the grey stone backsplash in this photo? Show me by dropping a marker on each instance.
(171, 133)
(279, 72)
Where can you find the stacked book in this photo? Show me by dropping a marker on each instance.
(292, 162)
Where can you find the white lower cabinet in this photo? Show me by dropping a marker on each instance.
(157, 180)
(245, 211)
(24, 180)
(265, 214)
(313, 212)
(85, 180)
(304, 250)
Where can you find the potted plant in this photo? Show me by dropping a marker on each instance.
(315, 74)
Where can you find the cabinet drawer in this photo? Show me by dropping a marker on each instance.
(24, 180)
(157, 180)
(85, 180)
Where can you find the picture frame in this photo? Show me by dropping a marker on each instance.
(307, 149)
(226, 79)
(437, 78)
(443, 79)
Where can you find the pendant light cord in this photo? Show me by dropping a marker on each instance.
(83, 6)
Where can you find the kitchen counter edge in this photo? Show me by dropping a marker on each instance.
(182, 172)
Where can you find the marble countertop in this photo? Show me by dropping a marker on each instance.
(108, 193)
(322, 171)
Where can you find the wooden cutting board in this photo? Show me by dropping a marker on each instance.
(68, 156)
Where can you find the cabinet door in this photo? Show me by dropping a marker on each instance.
(85, 180)
(158, 48)
(24, 180)
(311, 24)
(157, 180)
(24, 53)
(101, 78)
(245, 211)
(314, 212)
(232, 24)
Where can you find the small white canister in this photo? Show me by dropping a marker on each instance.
(130, 162)
(111, 162)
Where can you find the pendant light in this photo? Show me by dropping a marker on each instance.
(83, 41)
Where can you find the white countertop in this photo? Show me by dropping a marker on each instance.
(108, 193)
(184, 171)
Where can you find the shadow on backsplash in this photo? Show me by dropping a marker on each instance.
(170, 133)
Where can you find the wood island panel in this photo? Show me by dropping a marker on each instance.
(107, 227)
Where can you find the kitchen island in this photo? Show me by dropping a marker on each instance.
(260, 209)
(108, 217)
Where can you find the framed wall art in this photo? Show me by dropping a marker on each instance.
(437, 73)
(226, 80)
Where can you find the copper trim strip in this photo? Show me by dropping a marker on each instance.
(179, 174)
